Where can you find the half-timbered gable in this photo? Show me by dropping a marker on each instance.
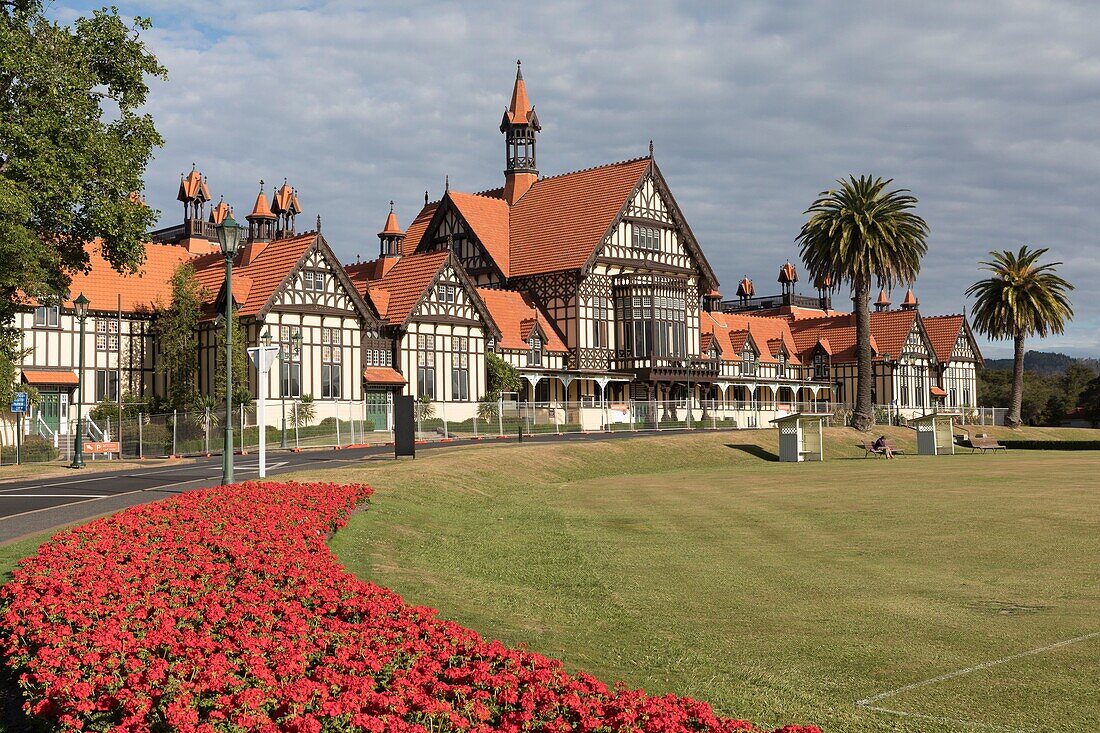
(295, 290)
(958, 358)
(475, 228)
(440, 326)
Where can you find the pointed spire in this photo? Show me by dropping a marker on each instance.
(787, 274)
(261, 210)
(883, 302)
(391, 224)
(519, 110)
(910, 301)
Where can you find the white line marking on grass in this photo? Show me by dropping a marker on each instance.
(867, 702)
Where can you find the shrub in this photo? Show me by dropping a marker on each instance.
(223, 609)
(35, 449)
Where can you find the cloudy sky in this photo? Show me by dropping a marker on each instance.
(989, 112)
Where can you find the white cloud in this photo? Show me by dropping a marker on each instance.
(988, 112)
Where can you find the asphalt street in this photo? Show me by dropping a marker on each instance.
(36, 505)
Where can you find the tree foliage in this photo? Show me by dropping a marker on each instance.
(241, 393)
(858, 234)
(175, 327)
(1022, 297)
(502, 376)
(73, 148)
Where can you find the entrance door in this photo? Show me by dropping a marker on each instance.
(377, 409)
(49, 410)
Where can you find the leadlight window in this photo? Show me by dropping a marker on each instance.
(379, 358)
(106, 334)
(425, 365)
(47, 316)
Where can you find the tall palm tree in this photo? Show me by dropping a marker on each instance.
(858, 234)
(1022, 298)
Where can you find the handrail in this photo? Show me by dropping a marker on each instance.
(51, 431)
(89, 425)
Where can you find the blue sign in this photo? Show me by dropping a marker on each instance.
(19, 402)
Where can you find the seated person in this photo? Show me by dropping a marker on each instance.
(881, 447)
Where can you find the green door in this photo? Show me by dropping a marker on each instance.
(50, 411)
(377, 410)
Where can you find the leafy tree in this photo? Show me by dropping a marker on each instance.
(858, 234)
(1021, 298)
(1090, 401)
(241, 393)
(73, 147)
(175, 331)
(502, 376)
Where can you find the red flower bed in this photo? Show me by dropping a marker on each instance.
(223, 609)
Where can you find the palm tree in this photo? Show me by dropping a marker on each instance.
(1022, 298)
(860, 233)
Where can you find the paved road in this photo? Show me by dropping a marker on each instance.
(36, 505)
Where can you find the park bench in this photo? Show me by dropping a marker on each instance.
(869, 446)
(984, 443)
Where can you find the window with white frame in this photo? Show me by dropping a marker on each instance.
(446, 293)
(460, 368)
(781, 368)
(646, 238)
(425, 365)
(290, 365)
(106, 334)
(47, 316)
(314, 280)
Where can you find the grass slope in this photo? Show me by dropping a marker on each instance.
(778, 592)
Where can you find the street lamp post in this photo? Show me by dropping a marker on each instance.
(81, 305)
(229, 238)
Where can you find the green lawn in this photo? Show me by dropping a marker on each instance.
(778, 592)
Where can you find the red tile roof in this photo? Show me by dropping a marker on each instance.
(488, 217)
(50, 376)
(767, 333)
(561, 221)
(261, 210)
(419, 225)
(406, 282)
(110, 290)
(943, 332)
(255, 282)
(515, 315)
(383, 375)
(219, 212)
(889, 330)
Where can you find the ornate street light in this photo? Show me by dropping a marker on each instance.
(229, 238)
(81, 305)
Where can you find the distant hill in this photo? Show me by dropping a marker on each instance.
(1044, 362)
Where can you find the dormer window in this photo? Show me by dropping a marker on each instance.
(821, 366)
(781, 369)
(534, 357)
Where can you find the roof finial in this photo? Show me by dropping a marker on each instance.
(261, 185)
(651, 147)
(447, 183)
(519, 69)
(391, 206)
(425, 197)
(318, 223)
(284, 180)
(192, 165)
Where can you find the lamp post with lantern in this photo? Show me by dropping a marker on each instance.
(81, 306)
(229, 239)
